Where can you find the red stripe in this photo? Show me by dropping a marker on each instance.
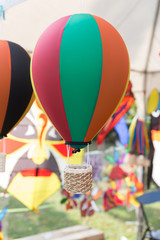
(5, 75)
(46, 77)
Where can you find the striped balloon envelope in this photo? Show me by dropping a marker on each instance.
(16, 92)
(80, 71)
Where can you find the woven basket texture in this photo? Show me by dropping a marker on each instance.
(78, 178)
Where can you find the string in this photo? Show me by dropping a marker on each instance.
(68, 150)
(88, 158)
(4, 145)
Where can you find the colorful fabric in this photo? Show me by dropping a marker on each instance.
(135, 188)
(117, 173)
(122, 130)
(138, 141)
(153, 101)
(86, 48)
(88, 204)
(86, 207)
(111, 200)
(69, 200)
(124, 106)
(15, 87)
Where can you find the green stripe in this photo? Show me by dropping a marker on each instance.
(80, 72)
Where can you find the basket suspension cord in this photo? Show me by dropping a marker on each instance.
(68, 150)
(88, 158)
(4, 145)
(3, 156)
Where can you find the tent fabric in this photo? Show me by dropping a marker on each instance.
(138, 21)
(9, 3)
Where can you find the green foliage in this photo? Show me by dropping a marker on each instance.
(56, 217)
(63, 200)
(115, 223)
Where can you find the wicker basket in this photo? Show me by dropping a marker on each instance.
(78, 178)
(2, 162)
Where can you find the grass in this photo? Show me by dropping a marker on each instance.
(113, 222)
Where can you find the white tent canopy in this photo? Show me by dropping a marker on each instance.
(138, 21)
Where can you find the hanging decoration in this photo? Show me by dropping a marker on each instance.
(69, 200)
(36, 157)
(88, 204)
(156, 157)
(15, 86)
(117, 173)
(122, 182)
(79, 103)
(124, 106)
(85, 202)
(135, 188)
(153, 101)
(111, 200)
(77, 64)
(138, 142)
(121, 129)
(78, 178)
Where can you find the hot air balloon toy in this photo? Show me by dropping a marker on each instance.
(16, 92)
(80, 72)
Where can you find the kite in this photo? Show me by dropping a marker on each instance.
(138, 141)
(117, 173)
(153, 101)
(124, 106)
(122, 130)
(36, 157)
(111, 200)
(135, 188)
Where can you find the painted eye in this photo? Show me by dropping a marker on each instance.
(52, 134)
(30, 131)
(25, 131)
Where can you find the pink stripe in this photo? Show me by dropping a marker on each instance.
(46, 78)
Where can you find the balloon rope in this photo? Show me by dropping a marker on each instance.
(88, 158)
(4, 145)
(68, 150)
